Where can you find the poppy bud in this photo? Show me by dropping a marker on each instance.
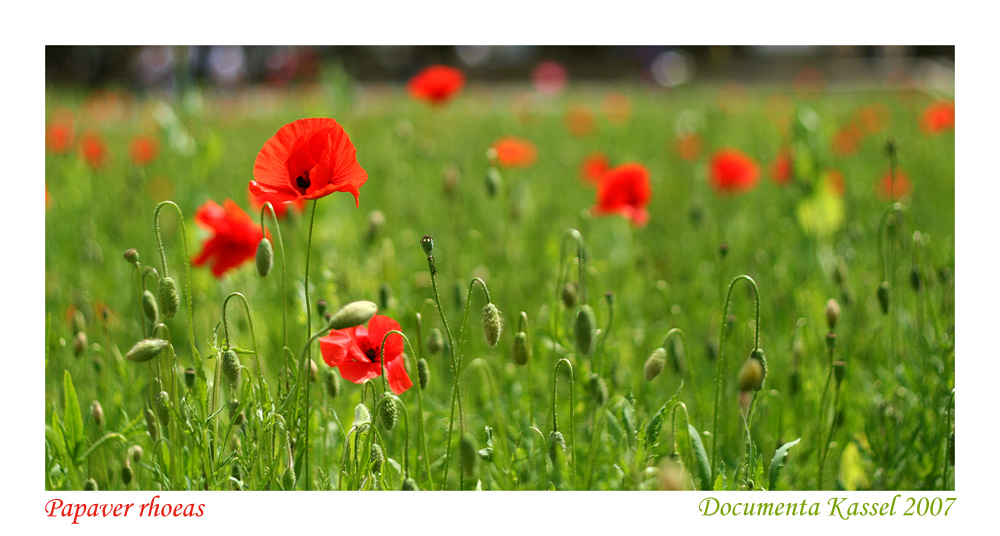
(883, 297)
(79, 343)
(376, 221)
(135, 453)
(90, 485)
(423, 373)
(151, 424)
(583, 329)
(361, 415)
(751, 376)
(327, 317)
(794, 382)
(321, 306)
(467, 455)
(831, 340)
(839, 370)
(240, 418)
(434, 341)
(384, 294)
(388, 412)
(313, 370)
(96, 413)
(569, 295)
(428, 244)
(288, 478)
(556, 441)
(145, 350)
(132, 256)
(377, 458)
(233, 406)
(162, 405)
(98, 364)
(149, 305)
(915, 279)
(598, 389)
(758, 354)
(126, 473)
(265, 257)
(410, 485)
(167, 298)
(353, 314)
(832, 311)
(189, 377)
(840, 272)
(493, 182)
(231, 367)
(655, 363)
(492, 324)
(723, 250)
(332, 383)
(520, 352)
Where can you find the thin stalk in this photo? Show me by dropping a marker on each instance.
(187, 276)
(572, 411)
(284, 293)
(306, 357)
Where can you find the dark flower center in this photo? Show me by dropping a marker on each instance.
(372, 355)
(302, 181)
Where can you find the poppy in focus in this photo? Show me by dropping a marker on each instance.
(234, 240)
(689, 146)
(514, 152)
(892, 190)
(625, 190)
(781, 167)
(357, 353)
(280, 207)
(436, 84)
(594, 166)
(733, 172)
(308, 159)
(93, 150)
(938, 117)
(143, 150)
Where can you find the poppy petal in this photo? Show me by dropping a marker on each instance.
(377, 328)
(355, 372)
(399, 380)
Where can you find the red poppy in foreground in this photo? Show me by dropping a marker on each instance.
(733, 172)
(594, 167)
(356, 353)
(625, 190)
(234, 240)
(938, 117)
(143, 150)
(781, 167)
(93, 150)
(515, 152)
(436, 84)
(280, 207)
(892, 190)
(308, 159)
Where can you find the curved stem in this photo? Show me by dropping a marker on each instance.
(187, 275)
(610, 297)
(687, 430)
(253, 332)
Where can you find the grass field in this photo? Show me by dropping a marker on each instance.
(886, 423)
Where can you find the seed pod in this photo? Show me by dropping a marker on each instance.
(520, 351)
(467, 455)
(90, 485)
(145, 350)
(96, 413)
(434, 341)
(493, 182)
(583, 329)
(353, 314)
(79, 343)
(288, 478)
(231, 367)
(410, 485)
(556, 441)
(132, 256)
(428, 244)
(162, 405)
(265, 257)
(388, 411)
(135, 453)
(149, 306)
(151, 425)
(126, 473)
(758, 355)
(321, 306)
(332, 383)
(915, 279)
(376, 221)
(492, 324)
(167, 297)
(384, 294)
(832, 311)
(654, 365)
(883, 297)
(751, 376)
(598, 389)
(377, 458)
(189, 377)
(569, 295)
(839, 370)
(423, 373)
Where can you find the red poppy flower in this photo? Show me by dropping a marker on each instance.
(845, 141)
(689, 146)
(781, 167)
(835, 183)
(733, 172)
(549, 77)
(625, 190)
(436, 84)
(93, 150)
(617, 107)
(308, 159)
(143, 150)
(938, 117)
(579, 121)
(48, 199)
(871, 119)
(893, 190)
(355, 352)
(515, 152)
(59, 135)
(280, 207)
(235, 239)
(594, 167)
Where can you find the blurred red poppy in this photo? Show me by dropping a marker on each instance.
(845, 141)
(579, 121)
(436, 84)
(594, 166)
(617, 107)
(625, 190)
(143, 150)
(48, 199)
(549, 77)
(892, 190)
(733, 172)
(871, 119)
(781, 167)
(835, 182)
(515, 152)
(280, 207)
(357, 353)
(689, 146)
(93, 150)
(308, 159)
(938, 117)
(59, 135)
(234, 240)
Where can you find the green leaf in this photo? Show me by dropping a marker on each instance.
(71, 411)
(704, 474)
(628, 420)
(720, 483)
(778, 461)
(758, 473)
(58, 439)
(656, 423)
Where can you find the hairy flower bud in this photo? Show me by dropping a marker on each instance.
(758, 355)
(492, 324)
(388, 411)
(410, 485)
(434, 341)
(126, 473)
(377, 458)
(520, 351)
(428, 244)
(883, 296)
(832, 311)
(265, 257)
(162, 405)
(96, 413)
(79, 343)
(151, 424)
(556, 441)
(146, 349)
(332, 383)
(231, 367)
(353, 314)
(569, 295)
(167, 297)
(598, 389)
(583, 329)
(90, 485)
(132, 256)
(288, 478)
(751, 376)
(149, 307)
(423, 373)
(654, 365)
(189, 377)
(321, 306)
(135, 453)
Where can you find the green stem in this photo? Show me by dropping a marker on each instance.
(422, 444)
(821, 421)
(284, 293)
(829, 437)
(187, 276)
(947, 440)
(306, 354)
(253, 332)
(142, 311)
(572, 411)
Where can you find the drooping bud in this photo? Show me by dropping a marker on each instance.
(231, 367)
(410, 485)
(189, 377)
(376, 221)
(132, 256)
(520, 351)
(79, 343)
(794, 382)
(493, 182)
(832, 311)
(492, 324)
(654, 365)
(146, 349)
(434, 341)
(556, 441)
(151, 424)
(135, 453)
(149, 305)
(598, 389)
(361, 415)
(377, 458)
(90, 485)
(167, 297)
(96, 413)
(883, 297)
(676, 356)
(265, 257)
(569, 295)
(915, 279)
(723, 250)
(126, 473)
(583, 329)
(353, 314)
(839, 370)
(288, 478)
(758, 355)
(162, 405)
(321, 306)
(388, 411)
(234, 405)
(751, 376)
(467, 455)
(332, 383)
(384, 294)
(423, 373)
(428, 244)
